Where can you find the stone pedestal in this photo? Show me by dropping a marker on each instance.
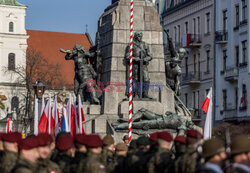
(114, 29)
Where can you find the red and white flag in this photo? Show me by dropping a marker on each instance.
(55, 121)
(207, 107)
(9, 125)
(36, 116)
(44, 120)
(186, 39)
(242, 102)
(80, 116)
(72, 116)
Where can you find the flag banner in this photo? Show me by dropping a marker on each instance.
(207, 107)
(36, 116)
(9, 125)
(65, 124)
(44, 120)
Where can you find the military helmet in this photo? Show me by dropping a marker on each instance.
(240, 144)
(212, 147)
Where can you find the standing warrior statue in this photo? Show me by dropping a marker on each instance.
(84, 72)
(141, 58)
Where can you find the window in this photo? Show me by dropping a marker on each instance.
(237, 16)
(194, 100)
(207, 61)
(244, 10)
(194, 64)
(186, 27)
(224, 60)
(194, 26)
(207, 91)
(237, 56)
(179, 33)
(11, 60)
(243, 99)
(11, 27)
(186, 99)
(244, 51)
(224, 24)
(198, 23)
(198, 99)
(175, 34)
(236, 98)
(208, 23)
(224, 92)
(198, 60)
(15, 103)
(186, 65)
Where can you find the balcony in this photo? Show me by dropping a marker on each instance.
(243, 22)
(230, 114)
(243, 65)
(193, 41)
(191, 78)
(231, 74)
(197, 115)
(221, 37)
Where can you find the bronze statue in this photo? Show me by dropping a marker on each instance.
(146, 120)
(141, 58)
(173, 69)
(84, 72)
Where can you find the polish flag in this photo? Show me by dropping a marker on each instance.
(44, 121)
(186, 39)
(9, 125)
(207, 108)
(55, 122)
(36, 117)
(242, 101)
(72, 120)
(80, 116)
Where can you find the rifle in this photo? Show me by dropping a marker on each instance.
(171, 46)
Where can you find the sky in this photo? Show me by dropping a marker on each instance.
(64, 15)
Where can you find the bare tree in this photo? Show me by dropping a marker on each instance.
(37, 67)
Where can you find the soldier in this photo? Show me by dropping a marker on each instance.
(215, 155)
(162, 160)
(108, 150)
(1, 147)
(126, 139)
(180, 146)
(65, 147)
(28, 156)
(44, 164)
(118, 164)
(83, 71)
(10, 157)
(141, 58)
(93, 163)
(239, 153)
(190, 162)
(81, 151)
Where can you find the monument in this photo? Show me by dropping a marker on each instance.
(153, 101)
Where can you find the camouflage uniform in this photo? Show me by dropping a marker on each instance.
(46, 165)
(8, 161)
(64, 162)
(92, 164)
(79, 156)
(161, 162)
(24, 166)
(107, 156)
(189, 162)
(118, 165)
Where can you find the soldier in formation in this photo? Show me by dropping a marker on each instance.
(160, 152)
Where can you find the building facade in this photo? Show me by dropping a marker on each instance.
(232, 60)
(13, 44)
(190, 24)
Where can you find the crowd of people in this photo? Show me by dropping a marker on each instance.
(159, 152)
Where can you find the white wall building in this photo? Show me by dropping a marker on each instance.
(190, 24)
(232, 98)
(13, 44)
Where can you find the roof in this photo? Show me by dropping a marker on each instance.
(49, 44)
(11, 2)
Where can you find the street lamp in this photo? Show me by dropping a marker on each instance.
(39, 88)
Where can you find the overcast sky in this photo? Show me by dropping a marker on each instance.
(64, 15)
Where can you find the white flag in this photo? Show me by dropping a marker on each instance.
(36, 116)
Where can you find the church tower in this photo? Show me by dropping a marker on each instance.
(13, 45)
